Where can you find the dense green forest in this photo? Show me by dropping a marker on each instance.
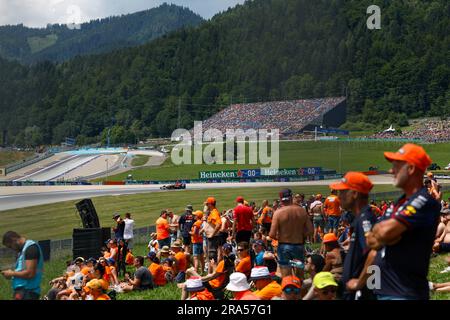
(60, 42)
(262, 50)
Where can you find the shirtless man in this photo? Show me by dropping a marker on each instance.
(290, 226)
(442, 242)
(173, 224)
(316, 208)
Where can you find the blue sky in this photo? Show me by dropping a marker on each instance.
(37, 13)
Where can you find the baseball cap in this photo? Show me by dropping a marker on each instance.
(259, 243)
(116, 215)
(285, 194)
(240, 199)
(291, 281)
(165, 249)
(79, 259)
(356, 181)
(227, 246)
(198, 214)
(210, 200)
(151, 255)
(94, 284)
(329, 237)
(189, 208)
(411, 153)
(324, 279)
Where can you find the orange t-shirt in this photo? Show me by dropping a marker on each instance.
(266, 215)
(214, 217)
(85, 271)
(158, 273)
(129, 258)
(273, 289)
(245, 266)
(106, 255)
(332, 206)
(246, 295)
(180, 257)
(197, 238)
(162, 229)
(217, 282)
(203, 295)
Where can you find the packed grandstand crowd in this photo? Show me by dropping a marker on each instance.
(291, 248)
(288, 116)
(428, 130)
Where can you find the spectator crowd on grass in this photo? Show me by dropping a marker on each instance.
(293, 247)
(427, 130)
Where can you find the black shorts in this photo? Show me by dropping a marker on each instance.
(222, 239)
(444, 247)
(243, 236)
(187, 241)
(24, 294)
(213, 244)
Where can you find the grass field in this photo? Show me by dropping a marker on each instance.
(56, 267)
(56, 221)
(139, 160)
(340, 156)
(9, 157)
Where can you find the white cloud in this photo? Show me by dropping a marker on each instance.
(38, 13)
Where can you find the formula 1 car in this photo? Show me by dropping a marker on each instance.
(177, 186)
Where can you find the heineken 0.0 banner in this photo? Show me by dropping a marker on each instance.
(263, 172)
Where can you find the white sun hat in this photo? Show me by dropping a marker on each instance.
(238, 282)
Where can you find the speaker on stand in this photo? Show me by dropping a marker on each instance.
(88, 214)
(88, 241)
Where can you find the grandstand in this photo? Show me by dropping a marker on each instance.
(290, 117)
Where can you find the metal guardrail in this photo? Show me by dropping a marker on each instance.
(18, 166)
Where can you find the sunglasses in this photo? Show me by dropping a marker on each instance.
(292, 290)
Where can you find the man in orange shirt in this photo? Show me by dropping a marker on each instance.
(197, 241)
(240, 287)
(332, 209)
(163, 230)
(180, 261)
(266, 287)
(214, 222)
(244, 263)
(157, 270)
(266, 217)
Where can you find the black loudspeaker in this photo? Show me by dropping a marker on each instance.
(88, 214)
(45, 247)
(106, 235)
(87, 242)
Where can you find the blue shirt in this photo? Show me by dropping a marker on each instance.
(259, 259)
(404, 265)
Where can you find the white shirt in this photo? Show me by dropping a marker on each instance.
(128, 230)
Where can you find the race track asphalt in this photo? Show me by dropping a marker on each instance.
(27, 196)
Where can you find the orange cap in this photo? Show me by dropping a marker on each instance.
(318, 196)
(198, 214)
(329, 237)
(356, 181)
(291, 281)
(210, 200)
(411, 153)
